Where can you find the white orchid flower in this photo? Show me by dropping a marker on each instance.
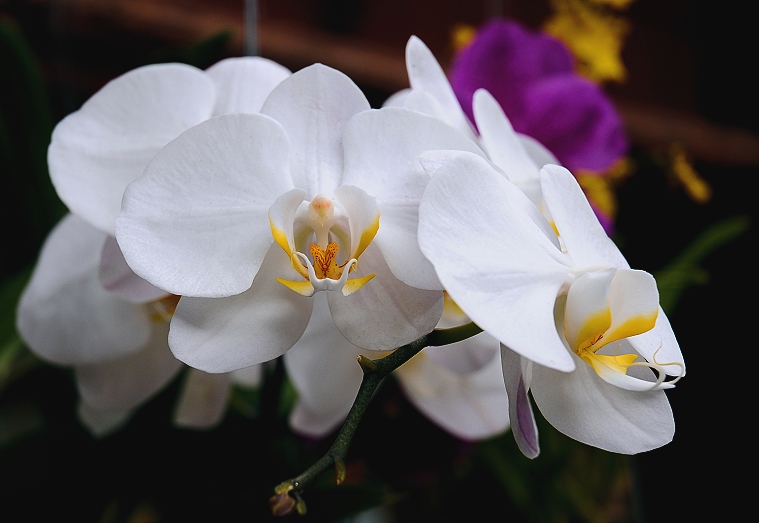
(577, 326)
(246, 216)
(118, 348)
(106, 322)
(97, 151)
(459, 387)
(430, 91)
(518, 155)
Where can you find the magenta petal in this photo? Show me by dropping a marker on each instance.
(505, 58)
(572, 117)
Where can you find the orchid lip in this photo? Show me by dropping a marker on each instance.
(608, 306)
(613, 370)
(331, 226)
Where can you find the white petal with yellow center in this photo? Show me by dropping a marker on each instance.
(321, 225)
(604, 307)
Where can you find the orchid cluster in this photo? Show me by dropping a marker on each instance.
(225, 218)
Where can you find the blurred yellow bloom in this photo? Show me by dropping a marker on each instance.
(462, 35)
(600, 188)
(685, 174)
(614, 4)
(594, 34)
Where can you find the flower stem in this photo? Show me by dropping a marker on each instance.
(287, 495)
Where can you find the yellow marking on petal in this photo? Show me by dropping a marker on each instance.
(366, 238)
(355, 284)
(619, 362)
(592, 330)
(301, 287)
(280, 237)
(555, 229)
(632, 327)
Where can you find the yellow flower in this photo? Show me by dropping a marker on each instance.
(594, 34)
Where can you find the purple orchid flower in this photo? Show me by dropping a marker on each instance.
(531, 74)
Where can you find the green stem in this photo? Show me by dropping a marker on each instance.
(287, 493)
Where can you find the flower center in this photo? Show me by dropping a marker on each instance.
(323, 228)
(604, 309)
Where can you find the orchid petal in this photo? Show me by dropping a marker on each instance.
(425, 74)
(324, 371)
(432, 160)
(118, 278)
(538, 152)
(608, 306)
(196, 223)
(101, 423)
(363, 217)
(584, 237)
(313, 105)
(281, 217)
(482, 234)
(225, 334)
(382, 148)
(202, 400)
(248, 377)
(613, 369)
(634, 301)
(588, 314)
(424, 102)
(128, 382)
(243, 83)
(468, 356)
(471, 406)
(517, 375)
(660, 346)
(397, 99)
(501, 142)
(584, 407)
(385, 313)
(98, 150)
(65, 315)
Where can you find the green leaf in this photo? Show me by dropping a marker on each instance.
(685, 270)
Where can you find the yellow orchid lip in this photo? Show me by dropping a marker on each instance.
(315, 283)
(606, 307)
(325, 222)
